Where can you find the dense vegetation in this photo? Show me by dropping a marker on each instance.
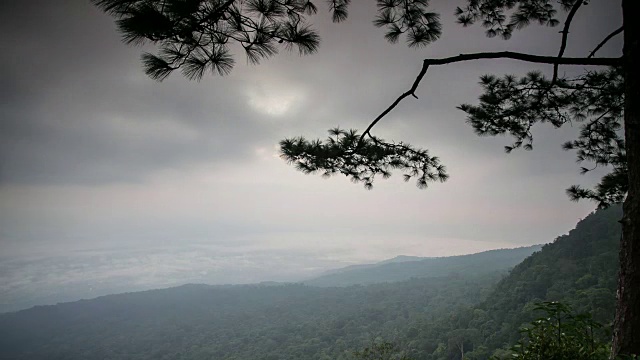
(239, 322)
(561, 334)
(578, 269)
(444, 317)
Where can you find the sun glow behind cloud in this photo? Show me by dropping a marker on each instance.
(274, 100)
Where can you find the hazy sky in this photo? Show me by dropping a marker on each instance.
(95, 155)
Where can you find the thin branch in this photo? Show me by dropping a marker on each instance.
(565, 35)
(485, 55)
(603, 42)
(609, 61)
(215, 15)
(410, 92)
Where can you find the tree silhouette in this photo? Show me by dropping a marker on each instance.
(194, 36)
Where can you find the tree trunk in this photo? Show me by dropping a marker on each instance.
(626, 332)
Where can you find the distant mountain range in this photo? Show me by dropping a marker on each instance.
(406, 267)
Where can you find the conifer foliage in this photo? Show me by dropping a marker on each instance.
(347, 153)
(195, 36)
(594, 100)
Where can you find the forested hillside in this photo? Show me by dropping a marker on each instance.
(475, 314)
(579, 269)
(237, 322)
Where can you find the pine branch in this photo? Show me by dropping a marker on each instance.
(606, 39)
(486, 55)
(539, 59)
(195, 36)
(409, 92)
(375, 158)
(565, 35)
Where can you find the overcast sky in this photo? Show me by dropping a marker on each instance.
(95, 155)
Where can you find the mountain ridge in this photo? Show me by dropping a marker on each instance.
(404, 267)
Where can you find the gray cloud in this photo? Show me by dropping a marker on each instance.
(78, 109)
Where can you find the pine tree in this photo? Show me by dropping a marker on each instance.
(194, 37)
